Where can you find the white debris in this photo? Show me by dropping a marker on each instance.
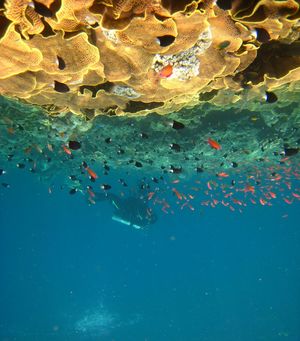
(186, 63)
(125, 91)
(111, 35)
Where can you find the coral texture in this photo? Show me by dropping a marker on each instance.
(128, 57)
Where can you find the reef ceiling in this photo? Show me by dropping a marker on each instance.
(128, 57)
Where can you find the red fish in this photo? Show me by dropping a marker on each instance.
(178, 195)
(166, 71)
(214, 144)
(150, 195)
(223, 175)
(66, 150)
(92, 173)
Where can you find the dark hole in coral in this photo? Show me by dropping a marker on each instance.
(61, 63)
(55, 6)
(166, 40)
(262, 35)
(92, 37)
(274, 59)
(42, 10)
(107, 86)
(88, 113)
(69, 35)
(207, 96)
(224, 4)
(47, 31)
(97, 8)
(160, 17)
(258, 16)
(61, 87)
(111, 111)
(133, 106)
(96, 25)
(18, 30)
(4, 23)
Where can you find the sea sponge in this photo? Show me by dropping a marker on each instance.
(128, 57)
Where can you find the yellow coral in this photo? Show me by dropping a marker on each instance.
(104, 56)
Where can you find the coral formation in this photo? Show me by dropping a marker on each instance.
(127, 57)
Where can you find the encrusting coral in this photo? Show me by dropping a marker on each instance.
(127, 57)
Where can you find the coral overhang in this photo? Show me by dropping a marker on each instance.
(108, 57)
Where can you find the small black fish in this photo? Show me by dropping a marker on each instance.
(105, 187)
(73, 191)
(84, 164)
(4, 184)
(165, 40)
(61, 63)
(92, 179)
(20, 127)
(123, 182)
(74, 145)
(261, 35)
(143, 135)
(138, 164)
(2, 171)
(20, 165)
(42, 9)
(232, 182)
(61, 87)
(175, 146)
(72, 177)
(177, 125)
(108, 140)
(154, 179)
(9, 157)
(106, 167)
(290, 151)
(270, 97)
(234, 164)
(175, 170)
(224, 4)
(120, 151)
(32, 170)
(199, 170)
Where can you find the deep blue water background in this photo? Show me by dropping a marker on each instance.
(212, 275)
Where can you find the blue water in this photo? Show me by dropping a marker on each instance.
(68, 272)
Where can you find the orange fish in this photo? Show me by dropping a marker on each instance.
(92, 173)
(150, 195)
(223, 175)
(178, 195)
(262, 201)
(67, 150)
(214, 144)
(166, 71)
(296, 195)
(249, 188)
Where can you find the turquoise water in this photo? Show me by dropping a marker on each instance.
(191, 246)
(69, 272)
